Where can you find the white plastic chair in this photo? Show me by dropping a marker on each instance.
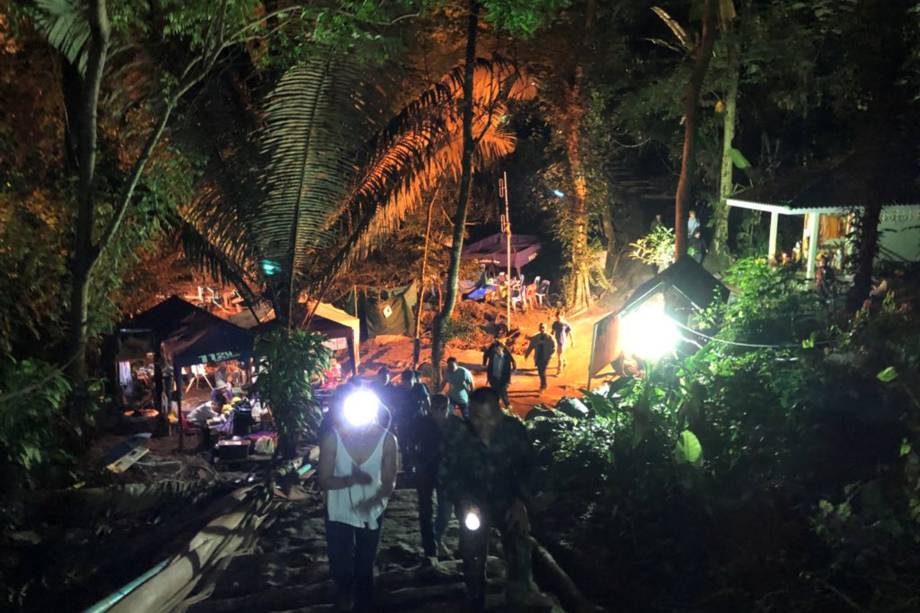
(198, 372)
(542, 290)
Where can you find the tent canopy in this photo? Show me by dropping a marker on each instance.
(494, 250)
(191, 335)
(328, 320)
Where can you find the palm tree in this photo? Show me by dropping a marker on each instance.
(321, 197)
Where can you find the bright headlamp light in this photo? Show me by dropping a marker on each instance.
(361, 408)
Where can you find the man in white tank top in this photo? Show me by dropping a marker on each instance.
(357, 470)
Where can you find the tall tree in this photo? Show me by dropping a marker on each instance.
(702, 55)
(578, 281)
(466, 178)
(728, 162)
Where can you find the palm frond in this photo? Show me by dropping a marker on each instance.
(200, 252)
(66, 26)
(422, 146)
(676, 29)
(309, 143)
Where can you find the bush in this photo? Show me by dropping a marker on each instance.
(32, 399)
(754, 478)
(288, 363)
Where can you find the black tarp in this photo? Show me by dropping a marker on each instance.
(190, 335)
(388, 311)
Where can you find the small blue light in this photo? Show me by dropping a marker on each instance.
(558, 194)
(270, 267)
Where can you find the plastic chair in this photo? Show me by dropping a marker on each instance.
(542, 291)
(517, 298)
(198, 372)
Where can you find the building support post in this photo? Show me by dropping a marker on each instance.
(774, 230)
(813, 229)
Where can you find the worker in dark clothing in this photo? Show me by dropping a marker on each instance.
(696, 246)
(499, 364)
(487, 469)
(543, 347)
(428, 432)
(410, 401)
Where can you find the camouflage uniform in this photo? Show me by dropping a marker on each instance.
(492, 478)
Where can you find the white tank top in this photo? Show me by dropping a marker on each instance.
(340, 504)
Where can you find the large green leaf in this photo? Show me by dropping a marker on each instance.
(738, 159)
(688, 449)
(65, 25)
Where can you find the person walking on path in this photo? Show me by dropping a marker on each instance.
(357, 472)
(411, 401)
(542, 346)
(460, 383)
(562, 332)
(429, 436)
(499, 364)
(487, 469)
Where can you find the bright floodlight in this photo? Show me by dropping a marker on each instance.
(361, 407)
(471, 521)
(648, 333)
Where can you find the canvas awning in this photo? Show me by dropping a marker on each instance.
(494, 250)
(334, 323)
(190, 335)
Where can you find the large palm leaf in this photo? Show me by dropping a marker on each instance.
(308, 147)
(66, 26)
(420, 147)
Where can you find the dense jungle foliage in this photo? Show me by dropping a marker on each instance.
(772, 478)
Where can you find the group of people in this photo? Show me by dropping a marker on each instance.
(696, 245)
(499, 364)
(468, 458)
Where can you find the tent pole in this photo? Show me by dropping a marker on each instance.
(506, 223)
(178, 377)
(774, 230)
(814, 229)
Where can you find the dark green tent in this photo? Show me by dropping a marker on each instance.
(386, 310)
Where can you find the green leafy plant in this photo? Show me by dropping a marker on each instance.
(32, 400)
(288, 363)
(656, 247)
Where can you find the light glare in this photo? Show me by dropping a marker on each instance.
(361, 407)
(648, 333)
(471, 521)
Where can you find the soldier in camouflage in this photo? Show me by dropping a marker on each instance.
(488, 463)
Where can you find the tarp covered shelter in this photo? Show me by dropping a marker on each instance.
(685, 287)
(189, 335)
(336, 324)
(494, 250)
(388, 310)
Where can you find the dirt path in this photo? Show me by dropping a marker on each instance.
(395, 352)
(287, 569)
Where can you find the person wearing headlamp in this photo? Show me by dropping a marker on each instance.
(357, 472)
(487, 469)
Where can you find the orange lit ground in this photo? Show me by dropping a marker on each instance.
(396, 353)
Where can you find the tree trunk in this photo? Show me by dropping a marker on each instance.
(466, 179)
(578, 289)
(83, 250)
(866, 250)
(726, 182)
(610, 233)
(701, 57)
